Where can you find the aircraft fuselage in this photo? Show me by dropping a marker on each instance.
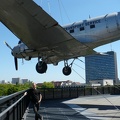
(96, 31)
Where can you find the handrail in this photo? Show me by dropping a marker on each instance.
(6, 98)
(12, 107)
(9, 108)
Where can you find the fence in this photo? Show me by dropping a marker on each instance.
(74, 92)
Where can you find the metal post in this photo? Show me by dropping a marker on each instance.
(7, 118)
(61, 92)
(92, 90)
(14, 113)
(44, 93)
(53, 93)
(77, 91)
(17, 111)
(84, 90)
(69, 93)
(20, 110)
(103, 90)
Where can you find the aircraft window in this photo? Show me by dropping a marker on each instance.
(72, 31)
(81, 28)
(92, 26)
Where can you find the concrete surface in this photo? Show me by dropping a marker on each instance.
(100, 107)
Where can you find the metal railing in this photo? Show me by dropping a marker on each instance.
(74, 92)
(13, 106)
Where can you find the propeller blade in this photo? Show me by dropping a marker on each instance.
(16, 63)
(15, 59)
(8, 45)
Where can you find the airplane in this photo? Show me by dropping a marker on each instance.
(42, 37)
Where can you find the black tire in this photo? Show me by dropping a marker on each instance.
(66, 70)
(41, 67)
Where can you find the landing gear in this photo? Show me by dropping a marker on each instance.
(41, 67)
(67, 69)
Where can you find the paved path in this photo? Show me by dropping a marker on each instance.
(55, 110)
(83, 108)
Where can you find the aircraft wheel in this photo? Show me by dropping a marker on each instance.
(66, 70)
(41, 67)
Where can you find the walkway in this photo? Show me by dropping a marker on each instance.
(83, 108)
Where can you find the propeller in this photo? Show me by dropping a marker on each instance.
(15, 59)
(16, 63)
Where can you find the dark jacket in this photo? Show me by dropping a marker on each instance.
(34, 95)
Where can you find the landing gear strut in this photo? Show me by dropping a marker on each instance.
(41, 67)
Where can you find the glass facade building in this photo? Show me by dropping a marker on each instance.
(99, 67)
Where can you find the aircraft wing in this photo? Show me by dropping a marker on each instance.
(39, 31)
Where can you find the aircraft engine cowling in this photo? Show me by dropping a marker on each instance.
(15, 51)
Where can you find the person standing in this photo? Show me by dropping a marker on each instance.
(35, 98)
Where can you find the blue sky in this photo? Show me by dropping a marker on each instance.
(64, 11)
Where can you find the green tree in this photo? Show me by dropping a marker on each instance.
(48, 85)
(7, 89)
(12, 90)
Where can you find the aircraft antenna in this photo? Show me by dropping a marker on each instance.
(60, 11)
(64, 11)
(49, 7)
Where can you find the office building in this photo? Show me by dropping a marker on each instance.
(16, 81)
(23, 81)
(100, 67)
(3, 82)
